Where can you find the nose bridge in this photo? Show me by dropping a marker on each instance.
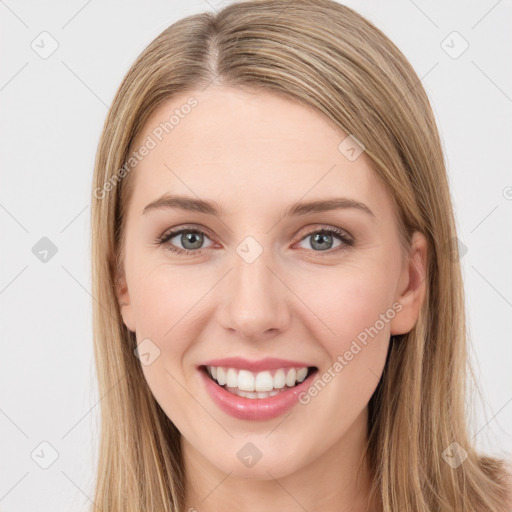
(255, 298)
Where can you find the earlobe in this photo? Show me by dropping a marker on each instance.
(412, 287)
(123, 299)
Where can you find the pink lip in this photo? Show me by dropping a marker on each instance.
(269, 363)
(258, 408)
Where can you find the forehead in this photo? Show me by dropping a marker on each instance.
(248, 148)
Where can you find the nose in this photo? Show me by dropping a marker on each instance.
(254, 300)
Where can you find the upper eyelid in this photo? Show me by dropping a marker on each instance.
(180, 229)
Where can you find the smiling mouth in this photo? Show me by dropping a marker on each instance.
(261, 385)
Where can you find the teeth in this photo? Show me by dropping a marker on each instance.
(248, 394)
(245, 381)
(291, 377)
(301, 374)
(261, 383)
(221, 376)
(264, 382)
(279, 379)
(231, 378)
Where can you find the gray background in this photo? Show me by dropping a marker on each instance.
(52, 113)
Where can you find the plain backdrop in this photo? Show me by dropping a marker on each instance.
(53, 109)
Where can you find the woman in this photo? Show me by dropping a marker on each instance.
(279, 317)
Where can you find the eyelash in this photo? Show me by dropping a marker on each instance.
(347, 241)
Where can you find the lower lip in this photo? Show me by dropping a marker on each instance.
(254, 408)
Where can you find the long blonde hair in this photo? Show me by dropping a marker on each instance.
(329, 57)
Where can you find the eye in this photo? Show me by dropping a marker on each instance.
(321, 240)
(191, 239)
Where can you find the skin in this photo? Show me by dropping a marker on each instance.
(255, 154)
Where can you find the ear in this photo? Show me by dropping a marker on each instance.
(123, 298)
(412, 286)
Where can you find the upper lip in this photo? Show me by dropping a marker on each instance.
(268, 363)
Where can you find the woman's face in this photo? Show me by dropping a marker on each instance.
(260, 282)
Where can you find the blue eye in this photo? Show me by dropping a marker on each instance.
(322, 238)
(192, 240)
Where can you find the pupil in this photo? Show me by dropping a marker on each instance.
(322, 238)
(194, 238)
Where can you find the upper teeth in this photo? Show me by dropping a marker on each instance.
(261, 381)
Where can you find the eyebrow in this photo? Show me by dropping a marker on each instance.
(297, 209)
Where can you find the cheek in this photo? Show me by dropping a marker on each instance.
(169, 305)
(349, 301)
(168, 308)
(355, 309)
(163, 296)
